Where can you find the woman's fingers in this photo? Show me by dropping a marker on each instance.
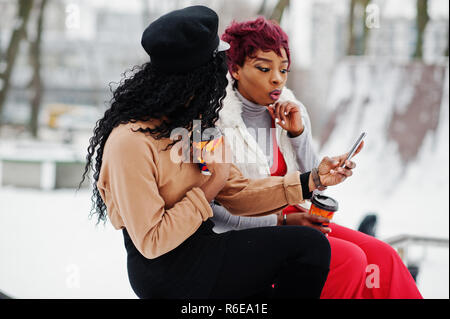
(350, 164)
(328, 164)
(282, 111)
(340, 178)
(285, 110)
(344, 171)
(274, 109)
(277, 110)
(324, 230)
(331, 171)
(316, 219)
(271, 110)
(290, 107)
(319, 227)
(343, 161)
(343, 158)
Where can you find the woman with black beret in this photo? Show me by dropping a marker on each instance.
(163, 206)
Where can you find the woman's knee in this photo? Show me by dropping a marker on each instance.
(356, 260)
(379, 252)
(311, 246)
(347, 255)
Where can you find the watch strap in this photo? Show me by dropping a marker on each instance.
(316, 179)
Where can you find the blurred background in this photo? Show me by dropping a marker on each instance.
(377, 66)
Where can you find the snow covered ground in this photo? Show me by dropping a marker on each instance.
(50, 249)
(409, 197)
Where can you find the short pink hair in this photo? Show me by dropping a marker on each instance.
(245, 38)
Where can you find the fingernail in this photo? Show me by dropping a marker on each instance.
(285, 113)
(332, 171)
(277, 120)
(283, 122)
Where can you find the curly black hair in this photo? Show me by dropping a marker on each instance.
(148, 93)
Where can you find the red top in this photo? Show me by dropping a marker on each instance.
(279, 167)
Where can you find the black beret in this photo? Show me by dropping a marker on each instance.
(183, 40)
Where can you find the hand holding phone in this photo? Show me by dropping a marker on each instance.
(354, 148)
(333, 171)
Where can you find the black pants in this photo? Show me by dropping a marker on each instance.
(235, 264)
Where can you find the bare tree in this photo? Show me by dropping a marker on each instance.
(446, 49)
(365, 36)
(357, 43)
(277, 13)
(145, 13)
(18, 34)
(422, 19)
(36, 84)
(351, 32)
(262, 8)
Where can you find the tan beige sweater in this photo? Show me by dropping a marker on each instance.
(160, 203)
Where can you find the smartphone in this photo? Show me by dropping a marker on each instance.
(354, 147)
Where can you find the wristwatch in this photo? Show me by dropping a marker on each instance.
(316, 179)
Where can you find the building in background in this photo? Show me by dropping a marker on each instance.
(88, 45)
(323, 26)
(81, 55)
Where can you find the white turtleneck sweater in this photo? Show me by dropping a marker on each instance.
(258, 121)
(257, 118)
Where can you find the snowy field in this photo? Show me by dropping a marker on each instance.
(408, 198)
(50, 249)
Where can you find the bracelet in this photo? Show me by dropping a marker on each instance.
(284, 219)
(316, 179)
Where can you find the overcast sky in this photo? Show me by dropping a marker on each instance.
(390, 7)
(296, 22)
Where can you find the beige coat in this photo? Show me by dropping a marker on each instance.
(160, 202)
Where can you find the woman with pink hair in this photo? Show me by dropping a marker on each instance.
(258, 107)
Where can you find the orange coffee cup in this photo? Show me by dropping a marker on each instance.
(323, 206)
